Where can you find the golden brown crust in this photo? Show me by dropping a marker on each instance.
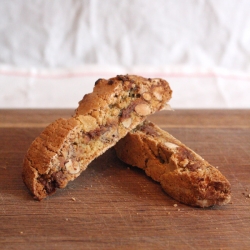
(67, 146)
(182, 173)
(42, 150)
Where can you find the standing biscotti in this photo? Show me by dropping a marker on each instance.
(66, 147)
(182, 173)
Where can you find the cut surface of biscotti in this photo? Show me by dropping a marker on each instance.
(67, 146)
(182, 173)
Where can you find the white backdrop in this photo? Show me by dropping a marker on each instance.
(51, 52)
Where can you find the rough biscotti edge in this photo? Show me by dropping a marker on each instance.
(191, 181)
(46, 147)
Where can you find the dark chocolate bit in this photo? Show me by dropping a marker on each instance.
(149, 130)
(98, 131)
(127, 111)
(111, 82)
(193, 166)
(123, 77)
(94, 133)
(49, 185)
(127, 83)
(100, 79)
(218, 186)
(183, 154)
(58, 178)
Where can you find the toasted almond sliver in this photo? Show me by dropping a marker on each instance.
(171, 145)
(146, 96)
(127, 122)
(143, 109)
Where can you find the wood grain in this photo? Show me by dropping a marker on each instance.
(114, 206)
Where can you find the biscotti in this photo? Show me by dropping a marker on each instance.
(182, 173)
(67, 146)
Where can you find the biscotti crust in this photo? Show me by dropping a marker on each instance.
(182, 173)
(67, 146)
(41, 157)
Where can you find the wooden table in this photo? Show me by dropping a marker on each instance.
(113, 206)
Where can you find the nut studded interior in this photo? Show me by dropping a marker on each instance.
(102, 118)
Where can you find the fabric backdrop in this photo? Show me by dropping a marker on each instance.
(51, 52)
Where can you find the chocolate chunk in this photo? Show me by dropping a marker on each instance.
(98, 132)
(127, 111)
(193, 166)
(58, 178)
(184, 153)
(50, 187)
(50, 183)
(111, 82)
(217, 185)
(149, 130)
(94, 133)
(128, 83)
(123, 77)
(98, 81)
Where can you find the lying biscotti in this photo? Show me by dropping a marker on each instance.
(182, 173)
(67, 146)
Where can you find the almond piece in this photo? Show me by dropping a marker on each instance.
(72, 166)
(68, 163)
(146, 96)
(166, 107)
(142, 109)
(88, 122)
(127, 122)
(155, 81)
(171, 145)
(157, 92)
(157, 95)
(184, 162)
(142, 89)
